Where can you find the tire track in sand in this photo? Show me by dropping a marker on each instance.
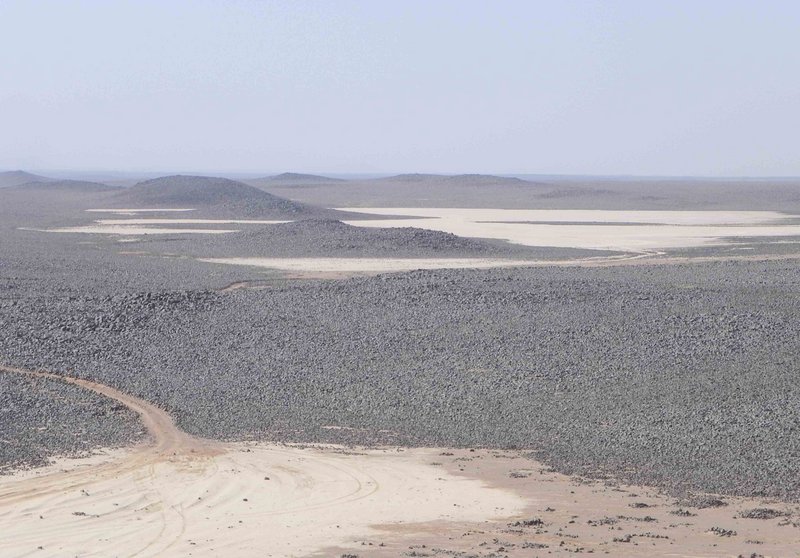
(177, 494)
(167, 442)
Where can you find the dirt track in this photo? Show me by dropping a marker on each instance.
(180, 494)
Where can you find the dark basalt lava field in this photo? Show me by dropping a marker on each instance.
(682, 376)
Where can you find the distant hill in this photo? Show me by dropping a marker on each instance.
(299, 177)
(288, 179)
(460, 179)
(204, 192)
(17, 178)
(75, 186)
(412, 177)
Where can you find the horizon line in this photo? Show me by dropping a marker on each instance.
(265, 174)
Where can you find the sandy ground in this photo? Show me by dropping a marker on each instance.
(351, 266)
(132, 229)
(132, 211)
(156, 226)
(184, 496)
(339, 268)
(587, 216)
(187, 222)
(589, 229)
(257, 500)
(565, 516)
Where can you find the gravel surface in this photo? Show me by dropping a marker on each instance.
(38, 416)
(329, 238)
(684, 377)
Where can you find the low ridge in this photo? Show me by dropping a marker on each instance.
(290, 179)
(300, 177)
(75, 186)
(9, 179)
(465, 179)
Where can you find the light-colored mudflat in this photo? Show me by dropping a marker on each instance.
(155, 221)
(366, 265)
(183, 496)
(583, 215)
(132, 211)
(132, 230)
(341, 268)
(156, 226)
(590, 229)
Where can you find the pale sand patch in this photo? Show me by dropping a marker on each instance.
(187, 222)
(180, 495)
(132, 230)
(583, 215)
(565, 516)
(367, 265)
(658, 229)
(252, 500)
(135, 211)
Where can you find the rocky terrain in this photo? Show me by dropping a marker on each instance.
(683, 379)
(328, 238)
(680, 376)
(40, 418)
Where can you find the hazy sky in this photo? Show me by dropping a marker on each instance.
(639, 87)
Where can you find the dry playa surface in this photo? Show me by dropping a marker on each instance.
(635, 231)
(350, 266)
(135, 211)
(188, 222)
(591, 229)
(184, 496)
(134, 230)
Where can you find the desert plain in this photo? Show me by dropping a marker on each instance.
(417, 365)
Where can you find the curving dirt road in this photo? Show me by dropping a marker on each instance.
(183, 496)
(167, 438)
(179, 494)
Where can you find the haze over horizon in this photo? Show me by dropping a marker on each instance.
(585, 88)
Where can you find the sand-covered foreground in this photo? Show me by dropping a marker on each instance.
(590, 229)
(248, 500)
(185, 496)
(181, 494)
(256, 500)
